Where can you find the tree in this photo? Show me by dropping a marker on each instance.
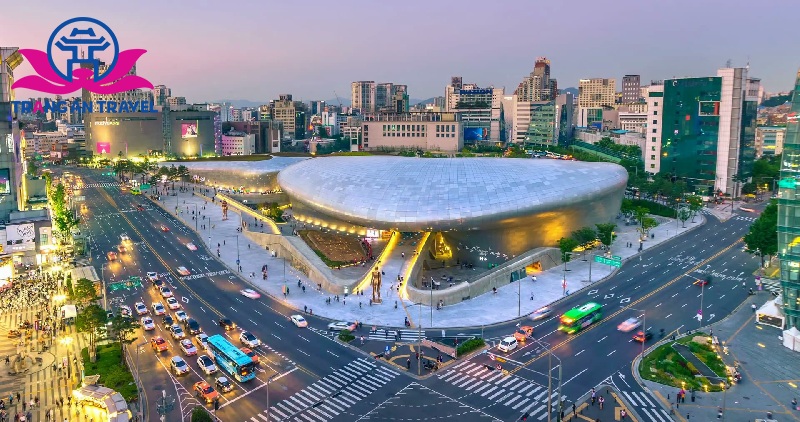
(200, 414)
(627, 206)
(695, 204)
(85, 291)
(640, 213)
(605, 232)
(567, 245)
(585, 236)
(762, 238)
(122, 328)
(32, 167)
(647, 224)
(684, 214)
(89, 320)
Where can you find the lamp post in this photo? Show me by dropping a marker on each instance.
(238, 262)
(269, 380)
(550, 379)
(702, 291)
(103, 276)
(196, 215)
(567, 256)
(138, 380)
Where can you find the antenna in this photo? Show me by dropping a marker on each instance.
(729, 63)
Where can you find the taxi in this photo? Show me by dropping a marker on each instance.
(205, 391)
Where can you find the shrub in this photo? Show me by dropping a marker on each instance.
(690, 366)
(200, 414)
(346, 336)
(470, 345)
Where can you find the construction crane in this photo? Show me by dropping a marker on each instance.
(339, 100)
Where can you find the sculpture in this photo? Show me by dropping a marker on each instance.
(376, 285)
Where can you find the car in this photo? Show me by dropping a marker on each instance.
(206, 364)
(252, 294)
(629, 325)
(181, 316)
(177, 332)
(299, 321)
(253, 356)
(178, 366)
(164, 228)
(159, 344)
(166, 292)
(158, 284)
(121, 249)
(112, 256)
(192, 326)
(541, 313)
(139, 207)
(173, 303)
(249, 339)
(523, 333)
(152, 276)
(148, 324)
(702, 282)
(167, 321)
(223, 385)
(226, 324)
(507, 344)
(205, 392)
(141, 308)
(125, 311)
(201, 340)
(191, 246)
(124, 237)
(188, 347)
(158, 309)
(642, 337)
(183, 271)
(341, 326)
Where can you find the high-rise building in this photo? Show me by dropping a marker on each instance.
(769, 141)
(788, 212)
(481, 111)
(537, 86)
(292, 114)
(160, 95)
(631, 89)
(383, 96)
(707, 130)
(363, 96)
(316, 107)
(597, 92)
(133, 95)
(175, 103)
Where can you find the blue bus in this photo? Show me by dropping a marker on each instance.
(234, 361)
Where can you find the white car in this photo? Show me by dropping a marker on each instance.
(178, 366)
(141, 308)
(181, 316)
(173, 303)
(206, 364)
(202, 340)
(158, 309)
(183, 271)
(299, 321)
(125, 311)
(507, 344)
(541, 313)
(191, 246)
(124, 237)
(249, 339)
(177, 332)
(188, 347)
(152, 275)
(342, 325)
(148, 324)
(166, 292)
(252, 294)
(628, 325)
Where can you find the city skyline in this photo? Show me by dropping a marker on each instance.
(315, 58)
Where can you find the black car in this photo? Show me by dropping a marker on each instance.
(223, 385)
(158, 284)
(227, 324)
(168, 322)
(192, 326)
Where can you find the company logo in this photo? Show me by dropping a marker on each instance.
(79, 40)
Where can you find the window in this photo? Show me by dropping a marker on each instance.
(654, 131)
(652, 157)
(655, 103)
(653, 138)
(655, 122)
(652, 166)
(653, 148)
(655, 112)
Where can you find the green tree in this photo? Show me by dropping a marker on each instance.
(647, 224)
(695, 204)
(32, 167)
(585, 236)
(200, 414)
(627, 206)
(85, 291)
(640, 213)
(605, 232)
(567, 245)
(89, 320)
(762, 238)
(684, 214)
(123, 329)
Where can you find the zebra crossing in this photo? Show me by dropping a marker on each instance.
(770, 285)
(331, 395)
(744, 218)
(381, 334)
(97, 185)
(647, 407)
(511, 391)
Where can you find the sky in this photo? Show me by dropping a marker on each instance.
(313, 49)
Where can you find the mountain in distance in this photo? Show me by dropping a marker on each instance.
(242, 103)
(414, 101)
(571, 90)
(344, 101)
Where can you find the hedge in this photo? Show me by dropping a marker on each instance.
(470, 345)
(346, 336)
(654, 207)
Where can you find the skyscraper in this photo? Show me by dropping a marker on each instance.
(383, 95)
(631, 89)
(362, 94)
(596, 92)
(537, 86)
(788, 211)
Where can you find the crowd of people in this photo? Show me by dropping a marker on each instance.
(27, 292)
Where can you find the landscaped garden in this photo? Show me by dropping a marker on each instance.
(113, 374)
(665, 365)
(334, 249)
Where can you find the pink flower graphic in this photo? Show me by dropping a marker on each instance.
(47, 80)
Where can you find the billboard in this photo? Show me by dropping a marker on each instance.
(20, 237)
(103, 147)
(476, 134)
(474, 91)
(188, 130)
(5, 182)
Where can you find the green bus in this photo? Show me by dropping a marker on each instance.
(581, 317)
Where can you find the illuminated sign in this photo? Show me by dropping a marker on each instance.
(474, 91)
(106, 123)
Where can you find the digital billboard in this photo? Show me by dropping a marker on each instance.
(103, 147)
(21, 237)
(188, 130)
(5, 181)
(476, 134)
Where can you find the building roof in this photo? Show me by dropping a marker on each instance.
(273, 165)
(443, 193)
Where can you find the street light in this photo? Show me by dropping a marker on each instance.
(138, 380)
(238, 262)
(103, 276)
(550, 378)
(196, 215)
(566, 257)
(269, 380)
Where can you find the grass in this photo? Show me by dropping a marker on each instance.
(112, 374)
(665, 366)
(469, 345)
(329, 262)
(253, 157)
(707, 355)
(352, 153)
(346, 336)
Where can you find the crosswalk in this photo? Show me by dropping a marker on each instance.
(646, 406)
(773, 286)
(97, 185)
(332, 395)
(389, 335)
(744, 218)
(507, 390)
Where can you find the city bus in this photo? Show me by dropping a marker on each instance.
(234, 361)
(581, 317)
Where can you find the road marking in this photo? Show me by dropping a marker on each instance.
(576, 354)
(305, 339)
(273, 334)
(625, 300)
(256, 311)
(602, 339)
(229, 402)
(668, 316)
(254, 323)
(684, 305)
(184, 299)
(658, 305)
(722, 296)
(576, 376)
(301, 351)
(674, 295)
(612, 352)
(334, 354)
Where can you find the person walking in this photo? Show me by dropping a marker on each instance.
(622, 414)
(408, 364)
(600, 401)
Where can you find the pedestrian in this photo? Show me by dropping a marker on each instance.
(408, 364)
(593, 396)
(574, 411)
(600, 401)
(622, 414)
(362, 340)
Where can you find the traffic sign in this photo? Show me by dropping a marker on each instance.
(614, 261)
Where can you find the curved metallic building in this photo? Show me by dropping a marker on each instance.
(254, 176)
(494, 208)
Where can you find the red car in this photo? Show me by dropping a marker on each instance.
(164, 228)
(159, 344)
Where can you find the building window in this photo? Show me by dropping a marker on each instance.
(655, 103)
(655, 122)
(654, 131)
(652, 157)
(655, 112)
(653, 148)
(652, 166)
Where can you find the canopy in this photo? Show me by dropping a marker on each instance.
(791, 339)
(69, 311)
(771, 314)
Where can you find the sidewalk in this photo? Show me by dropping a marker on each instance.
(484, 310)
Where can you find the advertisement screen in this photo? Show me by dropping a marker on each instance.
(188, 130)
(5, 182)
(103, 147)
(21, 237)
(476, 134)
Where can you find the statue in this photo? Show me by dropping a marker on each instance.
(376, 285)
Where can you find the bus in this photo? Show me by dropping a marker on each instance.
(234, 361)
(579, 318)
